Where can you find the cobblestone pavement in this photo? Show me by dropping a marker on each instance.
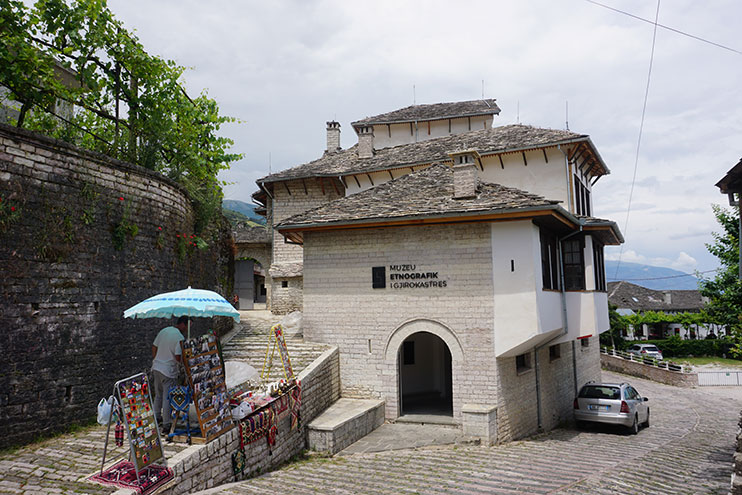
(61, 464)
(687, 450)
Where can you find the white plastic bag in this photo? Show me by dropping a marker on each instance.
(291, 324)
(104, 410)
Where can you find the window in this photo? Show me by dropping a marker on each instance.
(585, 342)
(555, 352)
(599, 266)
(549, 260)
(582, 197)
(574, 265)
(522, 363)
(284, 283)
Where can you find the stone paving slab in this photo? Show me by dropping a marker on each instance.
(61, 464)
(398, 436)
(687, 450)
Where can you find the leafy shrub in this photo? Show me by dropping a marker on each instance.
(674, 346)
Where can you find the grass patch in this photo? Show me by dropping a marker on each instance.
(699, 361)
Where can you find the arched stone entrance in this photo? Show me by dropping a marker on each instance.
(428, 358)
(425, 379)
(249, 283)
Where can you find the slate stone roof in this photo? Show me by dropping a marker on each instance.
(637, 298)
(485, 141)
(436, 111)
(601, 222)
(424, 193)
(244, 234)
(732, 182)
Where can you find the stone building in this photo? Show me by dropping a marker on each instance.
(459, 271)
(631, 299)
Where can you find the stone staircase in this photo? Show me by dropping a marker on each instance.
(249, 341)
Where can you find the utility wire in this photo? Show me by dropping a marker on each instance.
(641, 130)
(683, 33)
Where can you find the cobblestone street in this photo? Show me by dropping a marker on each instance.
(687, 450)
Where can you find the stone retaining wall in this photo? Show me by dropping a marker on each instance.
(620, 365)
(205, 466)
(90, 236)
(737, 465)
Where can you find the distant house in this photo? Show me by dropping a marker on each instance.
(10, 109)
(632, 299)
(730, 185)
(252, 257)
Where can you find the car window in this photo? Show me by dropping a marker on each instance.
(600, 392)
(652, 348)
(631, 393)
(634, 347)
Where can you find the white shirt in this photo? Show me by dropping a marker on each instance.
(168, 346)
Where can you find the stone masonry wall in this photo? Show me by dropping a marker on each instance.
(65, 285)
(620, 365)
(200, 467)
(291, 198)
(341, 307)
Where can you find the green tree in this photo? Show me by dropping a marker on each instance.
(128, 104)
(618, 325)
(724, 291)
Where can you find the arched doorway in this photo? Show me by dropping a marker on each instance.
(249, 283)
(425, 380)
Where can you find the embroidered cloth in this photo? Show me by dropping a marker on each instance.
(123, 475)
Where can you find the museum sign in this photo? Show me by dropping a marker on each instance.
(406, 276)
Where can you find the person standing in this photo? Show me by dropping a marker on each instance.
(165, 358)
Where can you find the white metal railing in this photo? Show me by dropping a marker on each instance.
(646, 360)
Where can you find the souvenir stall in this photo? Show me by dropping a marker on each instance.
(257, 409)
(132, 410)
(207, 381)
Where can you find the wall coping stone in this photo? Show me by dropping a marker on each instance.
(49, 143)
(477, 408)
(343, 411)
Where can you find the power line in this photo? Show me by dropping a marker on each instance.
(641, 130)
(678, 31)
(662, 278)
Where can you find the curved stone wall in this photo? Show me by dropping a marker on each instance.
(83, 237)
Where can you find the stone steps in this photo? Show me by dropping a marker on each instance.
(250, 342)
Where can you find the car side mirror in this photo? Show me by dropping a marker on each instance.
(646, 399)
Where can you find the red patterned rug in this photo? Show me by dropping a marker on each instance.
(123, 475)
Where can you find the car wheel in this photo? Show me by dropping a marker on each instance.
(646, 423)
(635, 425)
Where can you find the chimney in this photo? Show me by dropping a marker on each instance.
(668, 297)
(464, 174)
(333, 137)
(365, 141)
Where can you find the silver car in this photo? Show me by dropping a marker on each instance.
(646, 350)
(611, 403)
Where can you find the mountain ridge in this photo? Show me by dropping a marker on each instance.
(651, 277)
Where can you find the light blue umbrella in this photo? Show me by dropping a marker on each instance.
(186, 302)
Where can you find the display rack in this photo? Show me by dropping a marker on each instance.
(205, 374)
(140, 423)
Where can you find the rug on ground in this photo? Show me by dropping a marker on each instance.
(123, 475)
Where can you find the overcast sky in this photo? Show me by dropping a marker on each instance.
(285, 68)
